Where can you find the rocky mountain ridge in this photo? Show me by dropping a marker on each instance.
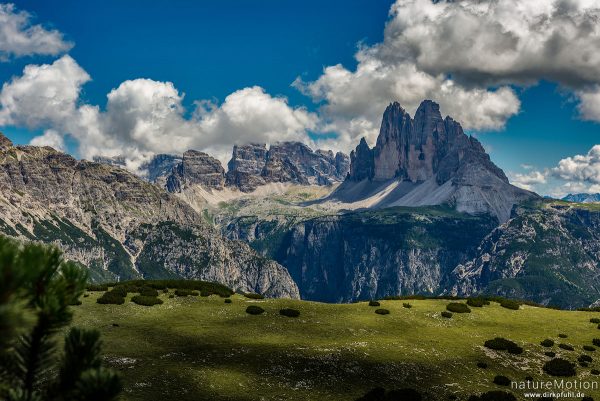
(121, 226)
(547, 252)
(251, 166)
(582, 198)
(424, 161)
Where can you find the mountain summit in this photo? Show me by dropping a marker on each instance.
(427, 160)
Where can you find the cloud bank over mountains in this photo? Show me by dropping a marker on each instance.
(471, 56)
(143, 117)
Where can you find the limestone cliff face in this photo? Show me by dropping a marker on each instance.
(253, 165)
(361, 162)
(196, 168)
(159, 167)
(113, 222)
(367, 255)
(425, 161)
(548, 254)
(244, 170)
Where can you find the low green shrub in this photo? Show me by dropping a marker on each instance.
(502, 344)
(589, 348)
(510, 304)
(563, 335)
(559, 367)
(447, 315)
(289, 312)
(374, 303)
(406, 305)
(171, 295)
(110, 297)
(183, 292)
(566, 347)
(547, 343)
(477, 302)
(104, 287)
(482, 365)
(86, 295)
(596, 342)
(595, 320)
(146, 300)
(550, 354)
(120, 290)
(585, 358)
(227, 300)
(595, 372)
(148, 292)
(502, 380)
(195, 285)
(515, 350)
(458, 307)
(254, 296)
(254, 310)
(382, 312)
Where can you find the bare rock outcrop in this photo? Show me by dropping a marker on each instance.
(196, 168)
(121, 226)
(253, 165)
(427, 161)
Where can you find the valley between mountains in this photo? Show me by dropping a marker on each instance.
(423, 211)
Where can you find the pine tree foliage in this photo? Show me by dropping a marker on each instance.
(37, 287)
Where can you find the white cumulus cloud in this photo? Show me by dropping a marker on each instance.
(467, 55)
(45, 95)
(143, 117)
(18, 37)
(528, 180)
(583, 168)
(50, 138)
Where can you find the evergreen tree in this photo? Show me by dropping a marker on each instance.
(37, 287)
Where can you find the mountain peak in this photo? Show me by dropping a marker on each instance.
(428, 106)
(4, 142)
(428, 160)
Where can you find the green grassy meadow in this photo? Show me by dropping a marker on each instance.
(200, 348)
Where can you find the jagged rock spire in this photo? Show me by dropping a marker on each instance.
(416, 149)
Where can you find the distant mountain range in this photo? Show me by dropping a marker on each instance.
(582, 198)
(423, 211)
(251, 166)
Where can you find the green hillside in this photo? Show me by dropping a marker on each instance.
(201, 348)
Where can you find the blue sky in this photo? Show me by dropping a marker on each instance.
(211, 49)
(208, 48)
